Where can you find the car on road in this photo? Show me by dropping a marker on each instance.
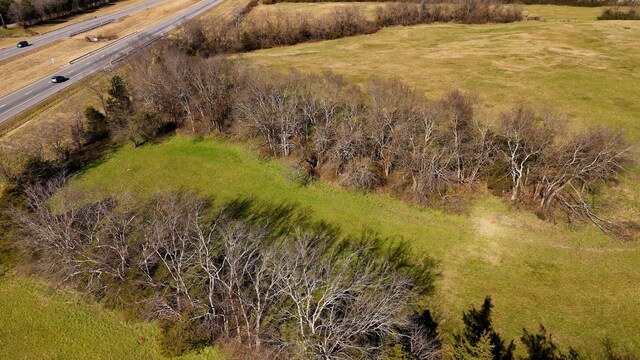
(58, 79)
(22, 44)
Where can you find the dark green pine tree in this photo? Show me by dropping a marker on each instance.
(477, 323)
(97, 126)
(541, 347)
(119, 105)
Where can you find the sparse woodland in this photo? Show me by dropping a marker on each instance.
(617, 12)
(245, 33)
(31, 12)
(261, 276)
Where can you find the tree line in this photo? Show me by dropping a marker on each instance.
(381, 135)
(246, 33)
(630, 12)
(586, 3)
(31, 12)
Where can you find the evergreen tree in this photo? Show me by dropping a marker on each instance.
(481, 350)
(119, 104)
(541, 347)
(97, 126)
(478, 325)
(118, 89)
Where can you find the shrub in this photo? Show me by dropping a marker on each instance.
(618, 13)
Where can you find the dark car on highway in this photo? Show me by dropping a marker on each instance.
(22, 44)
(58, 79)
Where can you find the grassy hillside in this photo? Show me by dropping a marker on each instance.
(581, 285)
(38, 323)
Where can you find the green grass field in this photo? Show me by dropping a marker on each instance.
(580, 284)
(39, 323)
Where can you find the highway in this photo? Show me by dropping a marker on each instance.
(64, 32)
(40, 90)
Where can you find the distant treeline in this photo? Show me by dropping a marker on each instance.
(586, 3)
(247, 33)
(620, 13)
(30, 12)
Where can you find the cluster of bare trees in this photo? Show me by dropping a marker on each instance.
(630, 11)
(41, 152)
(461, 11)
(558, 171)
(271, 29)
(585, 3)
(30, 12)
(386, 134)
(264, 277)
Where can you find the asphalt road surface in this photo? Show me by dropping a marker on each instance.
(62, 33)
(28, 96)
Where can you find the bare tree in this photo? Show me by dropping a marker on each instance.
(171, 245)
(72, 239)
(467, 138)
(99, 92)
(577, 167)
(391, 111)
(426, 160)
(269, 107)
(339, 301)
(214, 83)
(523, 140)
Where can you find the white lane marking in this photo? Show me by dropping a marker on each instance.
(29, 92)
(46, 93)
(3, 105)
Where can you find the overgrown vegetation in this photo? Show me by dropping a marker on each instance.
(620, 13)
(31, 12)
(588, 3)
(244, 33)
(263, 276)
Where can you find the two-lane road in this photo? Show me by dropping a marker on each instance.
(62, 33)
(31, 95)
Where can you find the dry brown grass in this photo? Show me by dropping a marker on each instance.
(41, 29)
(145, 18)
(20, 72)
(224, 11)
(37, 64)
(58, 109)
(318, 10)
